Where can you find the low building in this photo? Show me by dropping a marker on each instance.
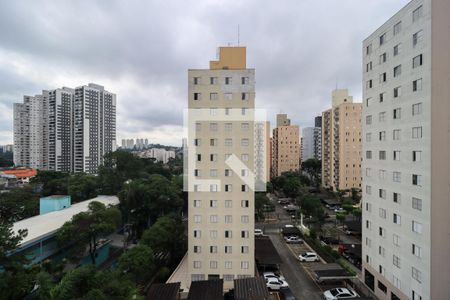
(22, 175)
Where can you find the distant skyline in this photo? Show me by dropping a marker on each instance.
(141, 51)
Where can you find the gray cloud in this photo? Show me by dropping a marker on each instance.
(141, 50)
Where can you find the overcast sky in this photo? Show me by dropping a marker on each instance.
(141, 51)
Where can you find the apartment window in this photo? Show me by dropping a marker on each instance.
(382, 135)
(396, 134)
(397, 28)
(228, 142)
(396, 113)
(213, 235)
(244, 203)
(197, 219)
(228, 219)
(382, 39)
(244, 80)
(368, 207)
(198, 126)
(213, 80)
(245, 126)
(197, 187)
(382, 155)
(417, 85)
(228, 277)
(245, 96)
(382, 116)
(416, 250)
(228, 80)
(381, 97)
(396, 176)
(213, 157)
(417, 132)
(369, 49)
(197, 234)
(228, 187)
(416, 274)
(245, 172)
(383, 77)
(245, 219)
(197, 96)
(416, 227)
(368, 189)
(197, 173)
(244, 142)
(397, 49)
(228, 203)
(213, 203)
(381, 270)
(397, 219)
(417, 61)
(382, 213)
(228, 127)
(396, 261)
(369, 84)
(244, 188)
(213, 142)
(382, 174)
(397, 70)
(197, 264)
(244, 264)
(228, 249)
(197, 203)
(397, 284)
(197, 142)
(228, 173)
(213, 218)
(369, 66)
(417, 109)
(228, 96)
(417, 37)
(368, 172)
(228, 234)
(416, 296)
(369, 154)
(368, 224)
(417, 13)
(396, 240)
(417, 155)
(397, 92)
(417, 180)
(383, 58)
(244, 157)
(244, 249)
(213, 264)
(396, 155)
(244, 234)
(382, 193)
(396, 197)
(381, 231)
(213, 126)
(417, 203)
(197, 80)
(213, 96)
(197, 249)
(368, 137)
(213, 172)
(368, 120)
(228, 264)
(243, 111)
(213, 188)
(382, 287)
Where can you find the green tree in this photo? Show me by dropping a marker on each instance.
(82, 187)
(166, 236)
(261, 201)
(45, 283)
(18, 204)
(86, 228)
(51, 182)
(355, 195)
(341, 217)
(313, 167)
(137, 264)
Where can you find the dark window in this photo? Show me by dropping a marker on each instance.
(382, 287)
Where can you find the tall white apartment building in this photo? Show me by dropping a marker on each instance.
(406, 154)
(68, 130)
(220, 167)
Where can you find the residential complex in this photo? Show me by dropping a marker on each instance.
(262, 154)
(220, 164)
(406, 207)
(68, 130)
(159, 154)
(285, 146)
(341, 143)
(312, 141)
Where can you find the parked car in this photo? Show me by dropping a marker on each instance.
(340, 293)
(259, 232)
(268, 275)
(275, 284)
(293, 240)
(308, 256)
(286, 294)
(339, 210)
(229, 295)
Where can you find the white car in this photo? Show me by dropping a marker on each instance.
(275, 283)
(293, 240)
(308, 256)
(268, 275)
(339, 210)
(258, 232)
(340, 293)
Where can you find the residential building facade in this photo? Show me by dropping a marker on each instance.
(311, 143)
(341, 143)
(220, 169)
(406, 163)
(285, 146)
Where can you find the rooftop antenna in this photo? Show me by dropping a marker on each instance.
(238, 35)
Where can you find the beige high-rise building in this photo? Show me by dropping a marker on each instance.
(286, 146)
(221, 169)
(341, 143)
